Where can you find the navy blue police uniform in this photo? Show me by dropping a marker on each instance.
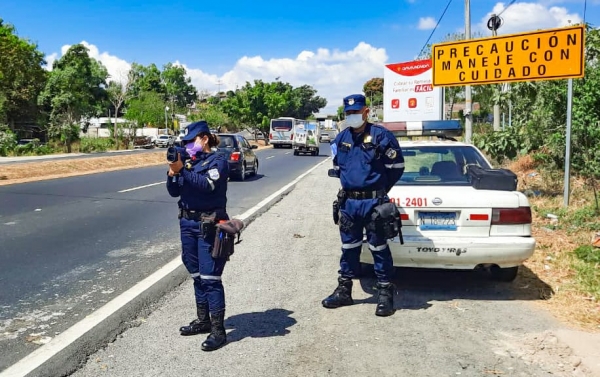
(368, 164)
(201, 186)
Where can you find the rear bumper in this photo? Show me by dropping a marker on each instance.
(457, 253)
(235, 167)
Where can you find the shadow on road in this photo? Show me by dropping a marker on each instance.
(272, 322)
(416, 288)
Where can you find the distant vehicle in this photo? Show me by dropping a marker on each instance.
(324, 137)
(143, 142)
(282, 131)
(306, 139)
(240, 155)
(164, 141)
(450, 219)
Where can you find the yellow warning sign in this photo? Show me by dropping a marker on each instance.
(542, 55)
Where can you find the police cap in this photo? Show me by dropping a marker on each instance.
(194, 130)
(354, 102)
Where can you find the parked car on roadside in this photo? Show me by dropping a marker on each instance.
(164, 141)
(240, 155)
(143, 142)
(450, 219)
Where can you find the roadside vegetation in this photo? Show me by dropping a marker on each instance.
(44, 111)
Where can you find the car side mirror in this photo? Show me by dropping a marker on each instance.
(254, 146)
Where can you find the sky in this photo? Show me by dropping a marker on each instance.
(333, 46)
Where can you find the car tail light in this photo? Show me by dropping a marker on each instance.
(235, 156)
(404, 216)
(292, 137)
(508, 216)
(271, 136)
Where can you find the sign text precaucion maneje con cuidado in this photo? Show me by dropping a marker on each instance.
(543, 55)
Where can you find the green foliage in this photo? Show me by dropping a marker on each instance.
(22, 76)
(90, 145)
(215, 117)
(587, 265)
(255, 104)
(146, 109)
(8, 140)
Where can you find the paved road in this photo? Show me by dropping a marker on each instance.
(70, 245)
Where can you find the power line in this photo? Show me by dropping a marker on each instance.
(504, 10)
(584, 10)
(435, 28)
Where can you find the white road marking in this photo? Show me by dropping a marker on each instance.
(288, 152)
(269, 157)
(141, 187)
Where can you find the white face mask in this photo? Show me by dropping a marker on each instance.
(354, 120)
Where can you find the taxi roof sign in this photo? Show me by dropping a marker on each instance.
(541, 55)
(439, 128)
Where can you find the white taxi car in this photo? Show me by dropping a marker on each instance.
(446, 222)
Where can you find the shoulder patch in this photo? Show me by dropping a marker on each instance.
(391, 153)
(214, 174)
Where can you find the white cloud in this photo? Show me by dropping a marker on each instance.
(426, 23)
(530, 16)
(333, 73)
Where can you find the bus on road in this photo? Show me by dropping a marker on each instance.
(282, 131)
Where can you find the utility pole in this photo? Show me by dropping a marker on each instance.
(219, 88)
(468, 105)
(493, 24)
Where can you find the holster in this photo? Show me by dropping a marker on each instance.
(338, 204)
(208, 221)
(385, 221)
(225, 242)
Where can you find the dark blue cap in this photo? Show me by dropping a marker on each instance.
(354, 102)
(194, 129)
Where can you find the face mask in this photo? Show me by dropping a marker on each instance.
(354, 120)
(194, 147)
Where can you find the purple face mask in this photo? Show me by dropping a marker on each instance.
(192, 147)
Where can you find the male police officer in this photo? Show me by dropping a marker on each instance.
(368, 161)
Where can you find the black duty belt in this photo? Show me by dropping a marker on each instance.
(190, 214)
(365, 194)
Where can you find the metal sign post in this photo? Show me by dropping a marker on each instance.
(568, 143)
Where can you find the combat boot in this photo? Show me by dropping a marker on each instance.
(217, 337)
(341, 296)
(200, 325)
(385, 299)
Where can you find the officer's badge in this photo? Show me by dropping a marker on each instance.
(367, 139)
(391, 153)
(188, 165)
(187, 130)
(214, 174)
(351, 101)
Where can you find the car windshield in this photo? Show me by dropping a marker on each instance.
(439, 165)
(226, 142)
(163, 137)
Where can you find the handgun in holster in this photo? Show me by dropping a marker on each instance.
(338, 204)
(208, 224)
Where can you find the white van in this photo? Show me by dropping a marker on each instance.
(306, 139)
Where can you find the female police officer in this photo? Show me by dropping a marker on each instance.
(199, 178)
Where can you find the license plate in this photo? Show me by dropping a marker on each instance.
(437, 220)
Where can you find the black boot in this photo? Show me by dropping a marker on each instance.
(217, 337)
(385, 299)
(342, 296)
(200, 325)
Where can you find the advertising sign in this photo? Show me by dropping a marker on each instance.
(408, 92)
(541, 55)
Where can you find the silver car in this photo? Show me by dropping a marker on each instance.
(164, 141)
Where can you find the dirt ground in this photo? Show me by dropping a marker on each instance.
(52, 169)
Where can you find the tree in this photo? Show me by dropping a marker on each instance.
(146, 79)
(178, 88)
(74, 90)
(147, 108)
(118, 93)
(22, 77)
(373, 89)
(308, 101)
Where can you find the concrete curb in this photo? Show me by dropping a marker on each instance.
(66, 352)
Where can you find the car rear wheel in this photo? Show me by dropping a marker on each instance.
(242, 173)
(504, 274)
(254, 169)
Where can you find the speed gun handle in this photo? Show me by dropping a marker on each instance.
(172, 156)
